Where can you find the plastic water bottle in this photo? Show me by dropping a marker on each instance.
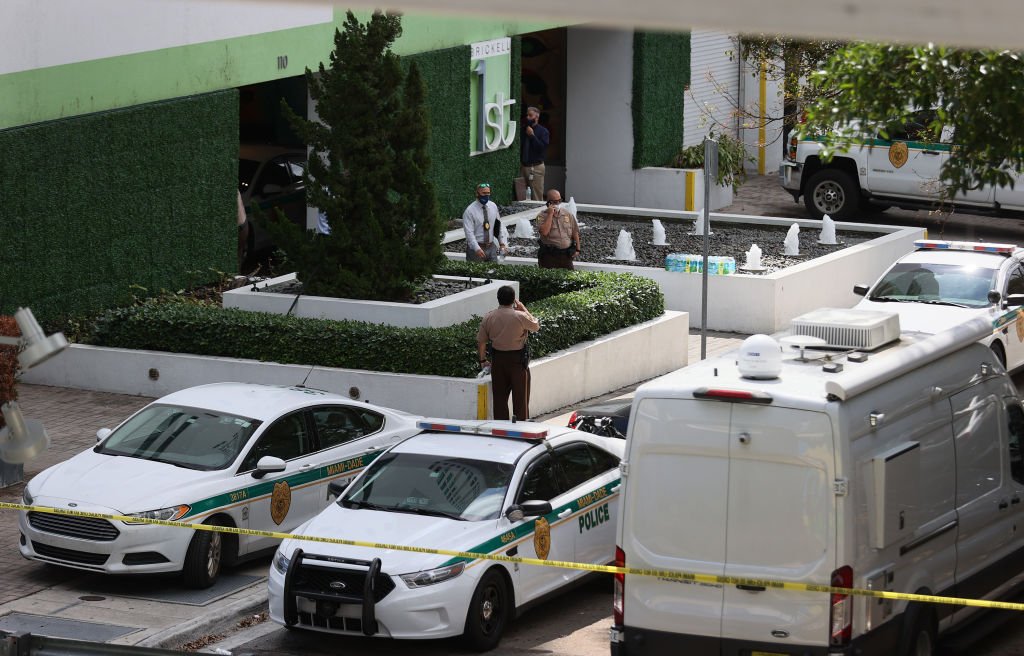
(731, 265)
(529, 193)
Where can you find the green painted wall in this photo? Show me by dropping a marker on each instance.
(94, 207)
(661, 74)
(453, 171)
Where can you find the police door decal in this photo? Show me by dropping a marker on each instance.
(898, 154)
(280, 502)
(542, 538)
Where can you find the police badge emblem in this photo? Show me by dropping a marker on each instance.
(280, 502)
(898, 154)
(542, 538)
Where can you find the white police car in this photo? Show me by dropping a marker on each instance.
(944, 283)
(492, 487)
(249, 456)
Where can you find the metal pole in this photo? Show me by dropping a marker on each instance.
(710, 175)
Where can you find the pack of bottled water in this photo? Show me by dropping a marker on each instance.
(688, 263)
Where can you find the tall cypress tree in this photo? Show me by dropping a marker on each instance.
(367, 171)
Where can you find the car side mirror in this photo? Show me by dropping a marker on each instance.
(532, 508)
(337, 488)
(102, 434)
(861, 290)
(268, 465)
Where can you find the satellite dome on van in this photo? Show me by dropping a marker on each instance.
(760, 358)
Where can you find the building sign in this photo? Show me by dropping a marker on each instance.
(492, 106)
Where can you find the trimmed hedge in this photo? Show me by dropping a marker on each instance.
(454, 173)
(96, 204)
(661, 75)
(586, 305)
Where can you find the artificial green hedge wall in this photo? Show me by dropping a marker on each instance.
(446, 74)
(96, 208)
(585, 306)
(661, 75)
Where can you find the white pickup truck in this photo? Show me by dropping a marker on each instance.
(901, 171)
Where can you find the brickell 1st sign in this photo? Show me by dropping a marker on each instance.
(491, 104)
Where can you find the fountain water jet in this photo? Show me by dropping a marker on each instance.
(624, 247)
(659, 234)
(792, 241)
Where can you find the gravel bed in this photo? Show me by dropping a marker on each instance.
(600, 235)
(430, 290)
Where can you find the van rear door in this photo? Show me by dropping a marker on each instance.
(781, 523)
(674, 516)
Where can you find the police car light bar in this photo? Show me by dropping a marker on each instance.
(477, 429)
(981, 247)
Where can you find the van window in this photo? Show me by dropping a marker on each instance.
(1016, 420)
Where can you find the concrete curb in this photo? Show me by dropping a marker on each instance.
(209, 622)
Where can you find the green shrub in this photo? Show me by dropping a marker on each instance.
(584, 306)
(732, 155)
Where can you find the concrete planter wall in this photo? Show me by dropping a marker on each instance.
(747, 303)
(584, 371)
(454, 309)
(677, 189)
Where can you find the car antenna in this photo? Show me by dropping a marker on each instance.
(303, 383)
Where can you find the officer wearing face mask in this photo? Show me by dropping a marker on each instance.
(484, 238)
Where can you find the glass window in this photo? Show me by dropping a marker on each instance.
(936, 283)
(337, 425)
(543, 481)
(275, 173)
(577, 463)
(286, 438)
(604, 460)
(458, 488)
(372, 420)
(1016, 419)
(186, 437)
(1015, 282)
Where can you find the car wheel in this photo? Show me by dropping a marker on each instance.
(999, 351)
(921, 635)
(832, 192)
(489, 612)
(203, 559)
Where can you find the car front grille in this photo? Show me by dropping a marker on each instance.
(69, 555)
(84, 528)
(345, 585)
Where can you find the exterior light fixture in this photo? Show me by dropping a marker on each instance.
(22, 439)
(36, 347)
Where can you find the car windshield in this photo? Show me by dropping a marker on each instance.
(946, 284)
(181, 436)
(246, 170)
(457, 488)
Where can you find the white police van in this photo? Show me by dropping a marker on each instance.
(892, 463)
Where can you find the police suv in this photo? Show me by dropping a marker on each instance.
(943, 283)
(231, 454)
(488, 487)
(887, 461)
(901, 168)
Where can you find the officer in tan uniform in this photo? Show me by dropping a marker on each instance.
(507, 328)
(559, 234)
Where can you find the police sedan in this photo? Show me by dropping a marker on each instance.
(943, 283)
(487, 487)
(231, 454)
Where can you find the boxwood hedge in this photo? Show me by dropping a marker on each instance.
(572, 306)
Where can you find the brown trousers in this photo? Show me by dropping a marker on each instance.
(508, 374)
(554, 260)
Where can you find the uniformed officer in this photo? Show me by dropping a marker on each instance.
(507, 328)
(559, 234)
(484, 240)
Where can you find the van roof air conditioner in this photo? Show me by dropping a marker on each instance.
(848, 328)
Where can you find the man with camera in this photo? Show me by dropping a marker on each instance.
(507, 329)
(535, 146)
(559, 234)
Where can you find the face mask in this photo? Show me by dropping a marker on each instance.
(484, 199)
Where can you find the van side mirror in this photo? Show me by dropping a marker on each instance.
(861, 290)
(268, 465)
(532, 508)
(337, 488)
(102, 434)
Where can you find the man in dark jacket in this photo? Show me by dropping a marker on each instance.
(535, 147)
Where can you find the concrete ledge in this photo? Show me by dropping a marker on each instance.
(448, 311)
(581, 372)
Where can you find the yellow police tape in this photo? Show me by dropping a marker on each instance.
(634, 571)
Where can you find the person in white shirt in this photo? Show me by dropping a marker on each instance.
(484, 241)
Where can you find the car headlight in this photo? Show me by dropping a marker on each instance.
(432, 576)
(26, 497)
(167, 514)
(281, 562)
